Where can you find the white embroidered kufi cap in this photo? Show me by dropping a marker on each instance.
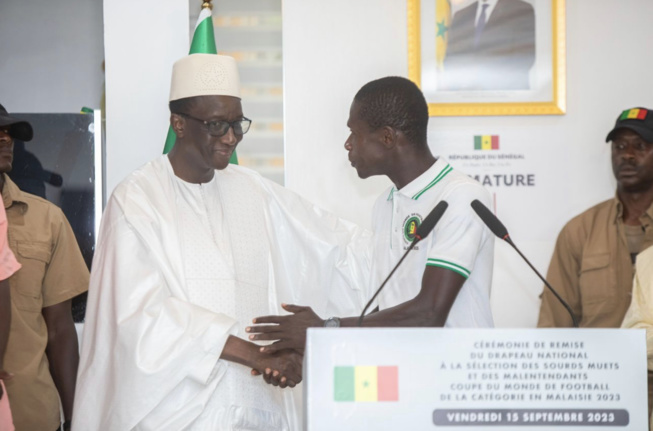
(204, 75)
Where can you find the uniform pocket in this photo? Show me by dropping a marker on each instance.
(27, 283)
(599, 294)
(596, 278)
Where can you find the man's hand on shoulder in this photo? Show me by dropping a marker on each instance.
(288, 331)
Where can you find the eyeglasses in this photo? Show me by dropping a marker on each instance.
(220, 128)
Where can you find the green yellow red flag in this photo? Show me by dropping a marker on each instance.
(366, 383)
(634, 114)
(203, 43)
(486, 142)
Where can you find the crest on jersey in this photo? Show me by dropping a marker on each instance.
(411, 224)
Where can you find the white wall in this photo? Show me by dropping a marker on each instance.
(51, 55)
(142, 40)
(332, 48)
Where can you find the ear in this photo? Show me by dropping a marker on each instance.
(177, 123)
(388, 137)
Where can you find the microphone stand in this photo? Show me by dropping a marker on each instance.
(497, 228)
(546, 283)
(422, 232)
(412, 244)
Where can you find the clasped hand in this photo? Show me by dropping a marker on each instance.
(289, 336)
(283, 368)
(287, 332)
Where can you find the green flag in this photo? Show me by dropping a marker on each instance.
(203, 43)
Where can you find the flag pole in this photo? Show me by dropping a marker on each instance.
(206, 4)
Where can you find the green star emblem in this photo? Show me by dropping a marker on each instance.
(365, 384)
(442, 29)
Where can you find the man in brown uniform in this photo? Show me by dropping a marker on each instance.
(42, 351)
(593, 262)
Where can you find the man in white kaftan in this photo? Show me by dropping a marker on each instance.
(182, 266)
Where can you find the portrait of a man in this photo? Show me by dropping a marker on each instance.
(490, 47)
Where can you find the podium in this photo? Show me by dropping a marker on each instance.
(475, 379)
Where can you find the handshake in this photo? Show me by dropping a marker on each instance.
(283, 368)
(280, 363)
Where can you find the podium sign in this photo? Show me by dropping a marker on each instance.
(475, 379)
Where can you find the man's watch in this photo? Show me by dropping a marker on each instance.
(332, 322)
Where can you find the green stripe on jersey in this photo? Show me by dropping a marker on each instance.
(448, 265)
(443, 173)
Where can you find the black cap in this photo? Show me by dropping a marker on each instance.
(639, 120)
(20, 129)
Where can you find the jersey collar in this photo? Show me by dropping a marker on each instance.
(424, 182)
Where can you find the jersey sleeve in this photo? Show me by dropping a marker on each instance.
(460, 234)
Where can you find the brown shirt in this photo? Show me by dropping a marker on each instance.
(53, 271)
(592, 270)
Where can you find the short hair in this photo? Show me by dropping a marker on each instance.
(182, 106)
(396, 102)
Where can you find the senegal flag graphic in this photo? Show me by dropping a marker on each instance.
(486, 142)
(366, 383)
(633, 114)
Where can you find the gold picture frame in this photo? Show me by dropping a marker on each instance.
(509, 102)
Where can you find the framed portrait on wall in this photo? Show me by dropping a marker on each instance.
(488, 57)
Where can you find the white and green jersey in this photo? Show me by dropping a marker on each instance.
(460, 242)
